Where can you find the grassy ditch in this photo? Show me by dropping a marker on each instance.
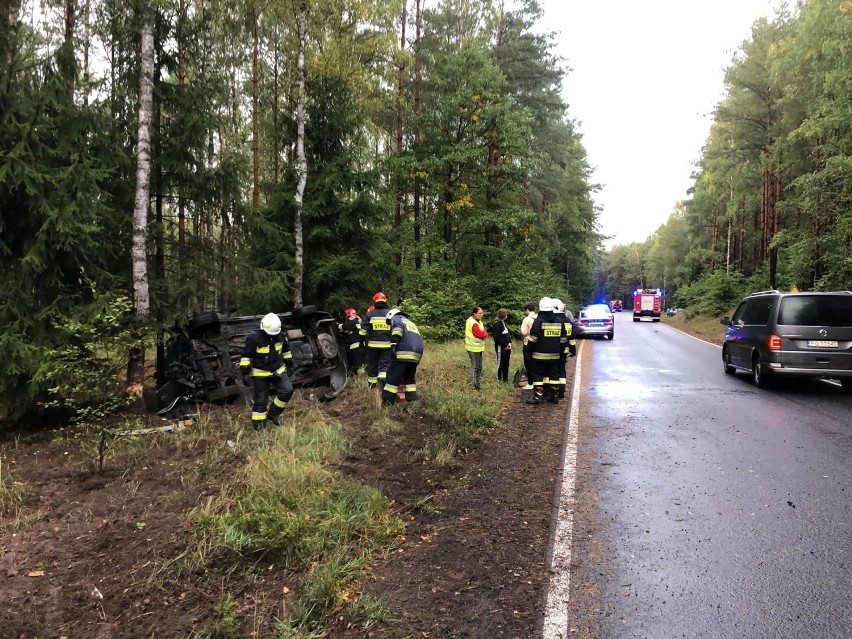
(264, 530)
(287, 505)
(701, 326)
(289, 508)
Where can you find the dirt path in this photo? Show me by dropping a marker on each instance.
(477, 567)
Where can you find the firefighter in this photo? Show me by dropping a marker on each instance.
(570, 349)
(378, 340)
(353, 337)
(548, 338)
(407, 350)
(265, 364)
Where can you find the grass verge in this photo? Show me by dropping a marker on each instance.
(291, 509)
(701, 326)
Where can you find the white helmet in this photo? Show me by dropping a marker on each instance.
(545, 304)
(558, 305)
(391, 313)
(271, 324)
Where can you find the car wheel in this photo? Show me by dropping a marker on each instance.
(846, 383)
(202, 322)
(304, 311)
(635, 319)
(726, 362)
(757, 372)
(612, 335)
(225, 393)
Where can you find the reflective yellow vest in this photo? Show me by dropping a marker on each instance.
(473, 344)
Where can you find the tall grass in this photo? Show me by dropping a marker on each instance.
(11, 496)
(294, 509)
(703, 326)
(460, 412)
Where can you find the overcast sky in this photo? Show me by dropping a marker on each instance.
(645, 79)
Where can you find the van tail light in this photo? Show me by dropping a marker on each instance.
(774, 343)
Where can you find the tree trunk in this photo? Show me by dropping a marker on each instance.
(141, 302)
(255, 146)
(70, 22)
(182, 12)
(400, 103)
(298, 280)
(417, 139)
(276, 140)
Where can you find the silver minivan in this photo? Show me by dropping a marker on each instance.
(797, 334)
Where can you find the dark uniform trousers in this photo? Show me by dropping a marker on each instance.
(400, 372)
(280, 386)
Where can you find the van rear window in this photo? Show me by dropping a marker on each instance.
(816, 310)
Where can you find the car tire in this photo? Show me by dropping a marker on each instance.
(846, 383)
(202, 322)
(726, 362)
(635, 319)
(758, 373)
(304, 311)
(612, 336)
(224, 394)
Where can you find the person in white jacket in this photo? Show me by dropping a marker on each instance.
(526, 326)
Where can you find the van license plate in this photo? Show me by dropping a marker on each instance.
(822, 343)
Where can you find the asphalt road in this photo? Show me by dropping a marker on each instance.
(725, 510)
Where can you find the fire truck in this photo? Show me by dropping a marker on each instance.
(647, 302)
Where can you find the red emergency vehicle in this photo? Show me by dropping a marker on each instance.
(647, 302)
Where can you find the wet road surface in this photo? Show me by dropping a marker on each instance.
(724, 510)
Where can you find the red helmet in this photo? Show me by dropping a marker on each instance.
(380, 297)
(350, 312)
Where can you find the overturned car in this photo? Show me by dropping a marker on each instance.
(201, 361)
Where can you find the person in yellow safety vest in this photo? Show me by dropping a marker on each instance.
(265, 363)
(353, 337)
(474, 344)
(378, 341)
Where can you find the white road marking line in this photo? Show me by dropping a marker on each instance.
(559, 589)
(688, 335)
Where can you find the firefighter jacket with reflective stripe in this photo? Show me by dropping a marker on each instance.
(352, 332)
(571, 344)
(548, 336)
(474, 335)
(266, 354)
(378, 328)
(406, 338)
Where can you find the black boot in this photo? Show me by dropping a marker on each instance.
(274, 419)
(535, 399)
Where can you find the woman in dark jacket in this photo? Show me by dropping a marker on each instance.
(502, 344)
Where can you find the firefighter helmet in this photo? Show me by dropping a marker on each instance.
(380, 297)
(350, 312)
(545, 304)
(558, 305)
(391, 313)
(271, 324)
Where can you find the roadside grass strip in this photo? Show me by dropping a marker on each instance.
(555, 624)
